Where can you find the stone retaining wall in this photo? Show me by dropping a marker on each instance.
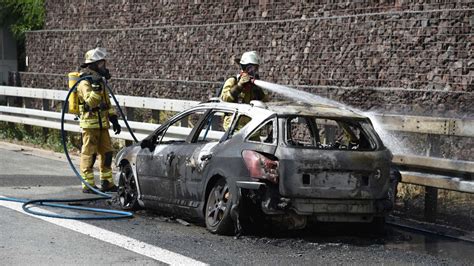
(363, 45)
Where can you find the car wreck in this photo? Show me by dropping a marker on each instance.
(280, 162)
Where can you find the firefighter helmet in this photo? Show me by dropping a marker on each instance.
(250, 58)
(95, 55)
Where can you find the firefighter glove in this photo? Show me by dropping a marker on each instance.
(96, 83)
(244, 79)
(115, 124)
(235, 91)
(96, 87)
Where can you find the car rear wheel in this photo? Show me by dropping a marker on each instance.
(218, 220)
(127, 189)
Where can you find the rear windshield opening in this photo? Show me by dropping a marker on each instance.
(328, 133)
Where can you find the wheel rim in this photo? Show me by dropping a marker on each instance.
(127, 190)
(217, 204)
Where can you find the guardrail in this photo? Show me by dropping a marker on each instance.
(428, 125)
(426, 171)
(50, 119)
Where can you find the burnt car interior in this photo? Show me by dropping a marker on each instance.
(265, 134)
(328, 134)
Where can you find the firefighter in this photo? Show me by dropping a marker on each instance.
(241, 89)
(95, 114)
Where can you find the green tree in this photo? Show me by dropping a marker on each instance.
(22, 16)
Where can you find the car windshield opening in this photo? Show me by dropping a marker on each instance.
(329, 133)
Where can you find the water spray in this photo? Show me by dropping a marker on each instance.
(391, 141)
(299, 95)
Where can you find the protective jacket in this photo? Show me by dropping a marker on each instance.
(249, 93)
(94, 105)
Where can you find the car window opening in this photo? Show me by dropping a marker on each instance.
(242, 120)
(185, 124)
(328, 134)
(265, 134)
(213, 129)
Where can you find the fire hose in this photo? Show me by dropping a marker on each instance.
(108, 214)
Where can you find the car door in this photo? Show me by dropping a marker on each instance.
(158, 169)
(192, 160)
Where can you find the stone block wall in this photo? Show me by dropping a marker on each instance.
(397, 56)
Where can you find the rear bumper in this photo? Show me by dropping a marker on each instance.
(325, 210)
(329, 210)
(329, 206)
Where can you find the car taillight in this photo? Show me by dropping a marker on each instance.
(260, 166)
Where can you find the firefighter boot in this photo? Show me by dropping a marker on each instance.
(88, 190)
(105, 167)
(107, 186)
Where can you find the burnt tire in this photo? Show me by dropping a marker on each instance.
(218, 205)
(127, 189)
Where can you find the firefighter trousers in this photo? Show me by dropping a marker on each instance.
(96, 144)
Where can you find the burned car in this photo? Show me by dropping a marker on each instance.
(283, 163)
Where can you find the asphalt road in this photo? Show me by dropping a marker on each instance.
(152, 238)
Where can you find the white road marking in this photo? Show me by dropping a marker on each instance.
(125, 242)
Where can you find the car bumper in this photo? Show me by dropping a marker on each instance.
(319, 209)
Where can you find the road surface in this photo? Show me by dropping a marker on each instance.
(155, 239)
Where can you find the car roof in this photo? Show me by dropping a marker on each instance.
(324, 110)
(287, 108)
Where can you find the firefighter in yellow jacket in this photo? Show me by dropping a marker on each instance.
(241, 89)
(95, 114)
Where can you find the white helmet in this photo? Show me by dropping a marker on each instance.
(95, 55)
(250, 58)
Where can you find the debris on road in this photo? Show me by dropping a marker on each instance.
(183, 222)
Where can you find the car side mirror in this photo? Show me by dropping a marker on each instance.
(148, 143)
(144, 143)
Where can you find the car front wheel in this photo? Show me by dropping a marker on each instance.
(127, 189)
(218, 220)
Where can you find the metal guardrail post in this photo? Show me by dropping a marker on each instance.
(185, 122)
(45, 106)
(431, 193)
(27, 103)
(130, 116)
(155, 114)
(431, 203)
(14, 102)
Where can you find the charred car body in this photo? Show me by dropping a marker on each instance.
(285, 162)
